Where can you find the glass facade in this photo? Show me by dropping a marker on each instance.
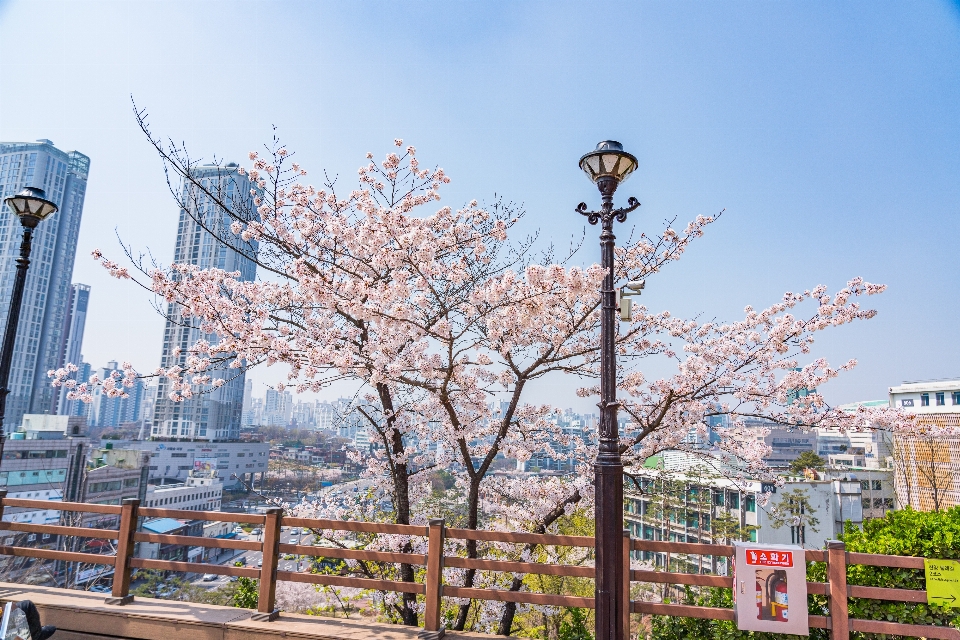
(46, 301)
(214, 414)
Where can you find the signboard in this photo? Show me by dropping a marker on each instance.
(204, 464)
(770, 588)
(943, 582)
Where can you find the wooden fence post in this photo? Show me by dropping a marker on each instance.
(625, 607)
(432, 627)
(125, 545)
(837, 577)
(268, 571)
(3, 494)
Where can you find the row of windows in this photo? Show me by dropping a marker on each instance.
(34, 455)
(182, 498)
(940, 397)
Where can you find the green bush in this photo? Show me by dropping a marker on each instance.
(902, 533)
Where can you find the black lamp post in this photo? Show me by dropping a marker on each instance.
(31, 206)
(608, 166)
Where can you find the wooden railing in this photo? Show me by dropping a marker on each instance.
(432, 587)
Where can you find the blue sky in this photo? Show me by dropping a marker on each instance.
(829, 132)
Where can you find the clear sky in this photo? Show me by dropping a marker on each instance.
(830, 133)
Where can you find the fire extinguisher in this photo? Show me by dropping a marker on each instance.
(778, 596)
(759, 600)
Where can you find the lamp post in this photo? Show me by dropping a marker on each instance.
(608, 166)
(31, 206)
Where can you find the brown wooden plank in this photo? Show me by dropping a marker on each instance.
(353, 525)
(669, 577)
(50, 554)
(194, 567)
(535, 538)
(80, 532)
(196, 541)
(818, 622)
(210, 516)
(347, 581)
(818, 588)
(815, 556)
(567, 570)
(910, 630)
(880, 560)
(681, 610)
(881, 593)
(61, 506)
(353, 554)
(502, 595)
(692, 548)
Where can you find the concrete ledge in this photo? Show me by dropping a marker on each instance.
(83, 615)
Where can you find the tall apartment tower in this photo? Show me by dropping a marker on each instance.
(71, 340)
(46, 301)
(214, 414)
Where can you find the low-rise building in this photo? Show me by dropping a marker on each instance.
(201, 491)
(236, 463)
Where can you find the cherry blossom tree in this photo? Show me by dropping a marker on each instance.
(444, 322)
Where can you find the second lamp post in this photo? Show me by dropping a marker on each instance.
(607, 167)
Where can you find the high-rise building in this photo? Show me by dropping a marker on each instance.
(46, 301)
(71, 340)
(113, 412)
(204, 239)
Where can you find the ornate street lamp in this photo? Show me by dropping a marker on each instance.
(31, 206)
(608, 166)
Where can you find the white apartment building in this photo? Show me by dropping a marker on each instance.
(200, 492)
(234, 461)
(927, 468)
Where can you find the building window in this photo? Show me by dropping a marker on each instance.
(752, 507)
(877, 485)
(940, 399)
(956, 397)
(924, 399)
(753, 533)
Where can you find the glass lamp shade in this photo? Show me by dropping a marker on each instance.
(31, 203)
(609, 160)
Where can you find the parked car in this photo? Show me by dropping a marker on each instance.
(100, 588)
(210, 577)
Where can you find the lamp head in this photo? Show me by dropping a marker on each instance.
(31, 206)
(608, 160)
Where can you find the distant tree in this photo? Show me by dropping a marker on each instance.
(807, 460)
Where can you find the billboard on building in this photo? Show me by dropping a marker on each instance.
(205, 465)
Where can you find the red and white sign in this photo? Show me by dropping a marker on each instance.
(769, 558)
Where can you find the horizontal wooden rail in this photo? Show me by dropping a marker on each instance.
(668, 577)
(815, 556)
(56, 530)
(567, 570)
(196, 541)
(879, 560)
(209, 516)
(354, 525)
(52, 554)
(882, 593)
(910, 630)
(690, 548)
(60, 506)
(348, 581)
(353, 554)
(534, 538)
(681, 610)
(194, 567)
(525, 597)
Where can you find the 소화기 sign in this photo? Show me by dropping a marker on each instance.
(943, 582)
(770, 588)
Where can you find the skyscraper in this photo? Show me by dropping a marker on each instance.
(63, 176)
(204, 239)
(71, 340)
